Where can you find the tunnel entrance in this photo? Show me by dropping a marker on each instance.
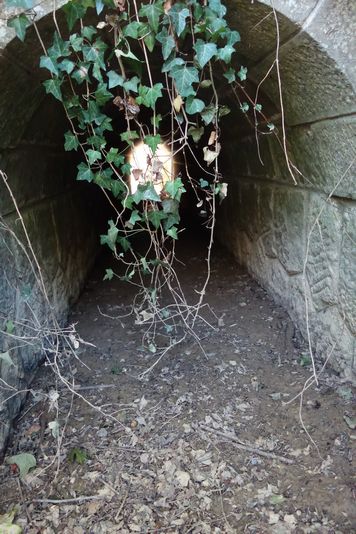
(280, 301)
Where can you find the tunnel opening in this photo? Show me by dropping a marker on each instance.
(282, 271)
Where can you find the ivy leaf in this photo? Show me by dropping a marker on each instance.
(113, 157)
(60, 48)
(150, 41)
(178, 15)
(148, 96)
(117, 187)
(24, 4)
(19, 24)
(110, 238)
(184, 78)
(135, 217)
(217, 7)
(99, 6)
(84, 173)
(175, 188)
(172, 232)
(74, 11)
(230, 75)
(153, 141)
(224, 110)
(225, 53)
(194, 105)
(155, 217)
(244, 107)
(53, 86)
(125, 243)
(102, 95)
(88, 32)
(93, 155)
(145, 192)
(166, 41)
(203, 183)
(204, 52)
(109, 274)
(132, 29)
(24, 461)
(76, 42)
(173, 62)
(232, 37)
(208, 114)
(71, 141)
(196, 133)
(131, 85)
(66, 65)
(129, 136)
(153, 13)
(242, 73)
(115, 79)
(46, 62)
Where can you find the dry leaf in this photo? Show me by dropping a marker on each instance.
(212, 138)
(177, 103)
(211, 155)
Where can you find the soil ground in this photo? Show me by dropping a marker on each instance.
(205, 443)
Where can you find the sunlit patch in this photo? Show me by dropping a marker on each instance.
(146, 167)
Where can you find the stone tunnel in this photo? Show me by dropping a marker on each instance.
(296, 239)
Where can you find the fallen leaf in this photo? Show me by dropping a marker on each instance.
(24, 461)
(183, 478)
(350, 421)
(177, 103)
(211, 155)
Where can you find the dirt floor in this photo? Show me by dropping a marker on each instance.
(204, 444)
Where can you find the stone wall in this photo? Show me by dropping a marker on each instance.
(298, 239)
(56, 211)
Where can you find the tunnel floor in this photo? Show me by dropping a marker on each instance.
(205, 443)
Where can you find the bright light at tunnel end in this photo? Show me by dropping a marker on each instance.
(146, 167)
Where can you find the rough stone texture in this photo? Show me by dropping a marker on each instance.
(266, 221)
(56, 210)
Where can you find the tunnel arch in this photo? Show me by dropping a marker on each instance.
(267, 222)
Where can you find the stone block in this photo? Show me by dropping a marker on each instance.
(347, 280)
(289, 227)
(324, 241)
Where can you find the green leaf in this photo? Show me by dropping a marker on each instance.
(244, 107)
(59, 48)
(150, 41)
(145, 192)
(258, 107)
(172, 232)
(19, 24)
(24, 462)
(232, 37)
(102, 95)
(46, 62)
(217, 7)
(196, 133)
(81, 73)
(148, 96)
(88, 32)
(84, 173)
(10, 327)
(129, 136)
(115, 79)
(175, 188)
(194, 105)
(117, 187)
(76, 42)
(22, 4)
(224, 110)
(77, 455)
(99, 6)
(208, 114)
(53, 86)
(124, 243)
(132, 29)
(93, 155)
(7, 525)
(131, 85)
(74, 10)
(155, 217)
(225, 53)
(204, 52)
(109, 274)
(184, 78)
(167, 41)
(135, 217)
(178, 15)
(242, 73)
(110, 238)
(153, 13)
(205, 84)
(203, 183)
(230, 75)
(276, 499)
(66, 65)
(71, 141)
(172, 62)
(6, 359)
(113, 157)
(153, 141)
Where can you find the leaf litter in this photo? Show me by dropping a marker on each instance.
(173, 464)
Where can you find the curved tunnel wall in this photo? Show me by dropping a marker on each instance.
(266, 221)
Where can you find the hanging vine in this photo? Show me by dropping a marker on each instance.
(108, 60)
